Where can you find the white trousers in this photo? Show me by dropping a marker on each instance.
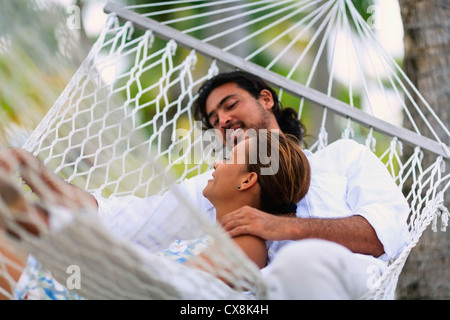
(319, 269)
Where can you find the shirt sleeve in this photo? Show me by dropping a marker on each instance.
(115, 212)
(154, 218)
(373, 194)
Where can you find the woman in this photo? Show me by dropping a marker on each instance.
(240, 181)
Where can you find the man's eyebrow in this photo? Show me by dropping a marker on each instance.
(220, 105)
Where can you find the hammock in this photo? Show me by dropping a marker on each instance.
(123, 127)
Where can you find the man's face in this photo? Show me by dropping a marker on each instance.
(233, 111)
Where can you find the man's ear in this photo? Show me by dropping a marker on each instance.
(266, 98)
(249, 181)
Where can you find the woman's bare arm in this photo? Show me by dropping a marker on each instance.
(13, 267)
(254, 247)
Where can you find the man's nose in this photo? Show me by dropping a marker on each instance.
(224, 120)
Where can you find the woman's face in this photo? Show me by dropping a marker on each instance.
(227, 175)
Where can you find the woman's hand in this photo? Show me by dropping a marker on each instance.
(15, 209)
(48, 186)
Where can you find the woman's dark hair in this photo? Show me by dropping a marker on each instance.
(287, 118)
(287, 182)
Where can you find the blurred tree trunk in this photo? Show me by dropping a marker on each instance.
(427, 63)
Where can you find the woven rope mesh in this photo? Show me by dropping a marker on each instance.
(123, 127)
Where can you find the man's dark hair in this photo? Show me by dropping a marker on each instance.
(287, 118)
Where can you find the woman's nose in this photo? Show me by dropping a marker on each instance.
(218, 163)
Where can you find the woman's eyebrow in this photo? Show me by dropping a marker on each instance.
(220, 105)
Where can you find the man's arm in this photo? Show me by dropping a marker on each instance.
(374, 224)
(353, 232)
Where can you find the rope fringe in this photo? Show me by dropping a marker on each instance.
(437, 206)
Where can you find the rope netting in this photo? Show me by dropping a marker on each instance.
(124, 127)
(326, 45)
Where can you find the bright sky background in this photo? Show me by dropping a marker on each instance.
(93, 17)
(388, 28)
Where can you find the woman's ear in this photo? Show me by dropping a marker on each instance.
(266, 99)
(249, 181)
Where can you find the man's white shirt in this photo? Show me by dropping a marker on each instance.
(346, 179)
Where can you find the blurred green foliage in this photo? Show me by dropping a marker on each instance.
(38, 55)
(35, 65)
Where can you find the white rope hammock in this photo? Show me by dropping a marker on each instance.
(123, 126)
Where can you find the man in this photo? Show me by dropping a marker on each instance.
(353, 204)
(239, 101)
(352, 219)
(350, 223)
